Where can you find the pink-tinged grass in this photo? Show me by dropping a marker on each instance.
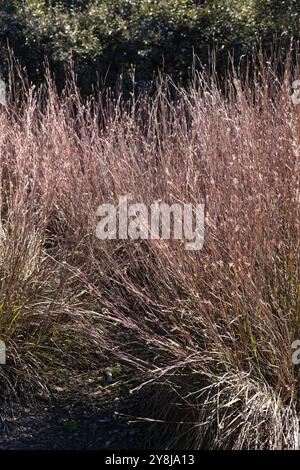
(207, 334)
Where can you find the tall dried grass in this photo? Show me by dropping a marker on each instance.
(207, 334)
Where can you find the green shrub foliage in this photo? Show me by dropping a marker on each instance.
(108, 39)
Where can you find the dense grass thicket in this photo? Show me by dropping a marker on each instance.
(206, 335)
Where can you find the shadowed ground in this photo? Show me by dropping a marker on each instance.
(70, 420)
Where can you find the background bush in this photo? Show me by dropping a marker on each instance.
(106, 39)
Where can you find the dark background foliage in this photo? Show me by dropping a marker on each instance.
(107, 39)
